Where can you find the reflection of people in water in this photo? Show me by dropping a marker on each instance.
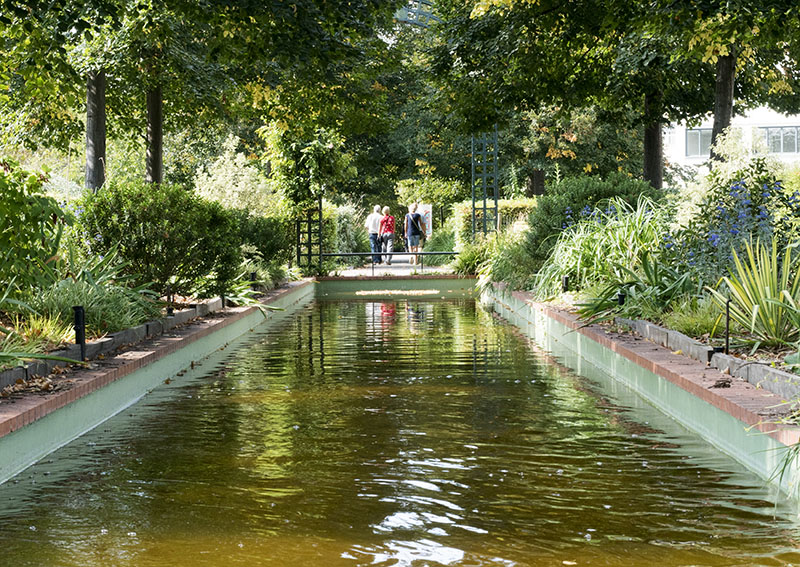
(388, 310)
(414, 314)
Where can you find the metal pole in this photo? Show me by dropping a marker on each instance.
(297, 226)
(485, 142)
(80, 329)
(319, 232)
(727, 325)
(494, 180)
(472, 148)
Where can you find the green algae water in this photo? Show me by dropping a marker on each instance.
(391, 433)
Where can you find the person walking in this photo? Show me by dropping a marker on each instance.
(414, 228)
(373, 224)
(386, 232)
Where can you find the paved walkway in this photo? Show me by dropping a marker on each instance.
(400, 266)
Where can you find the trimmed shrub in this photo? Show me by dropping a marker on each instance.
(165, 234)
(509, 210)
(271, 237)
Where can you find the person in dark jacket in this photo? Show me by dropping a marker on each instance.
(414, 228)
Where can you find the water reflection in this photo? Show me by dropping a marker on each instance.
(391, 432)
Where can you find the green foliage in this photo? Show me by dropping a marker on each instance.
(510, 211)
(37, 333)
(573, 199)
(99, 284)
(304, 169)
(650, 288)
(508, 261)
(109, 307)
(351, 234)
(165, 234)
(271, 237)
(583, 142)
(30, 225)
(694, 316)
(607, 245)
(763, 290)
(442, 240)
(429, 189)
(741, 204)
(471, 256)
(233, 181)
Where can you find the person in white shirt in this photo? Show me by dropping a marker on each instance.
(373, 224)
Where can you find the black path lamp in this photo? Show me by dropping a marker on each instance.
(80, 329)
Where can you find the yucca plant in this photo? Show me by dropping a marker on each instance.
(763, 290)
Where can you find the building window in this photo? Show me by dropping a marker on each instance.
(698, 142)
(668, 137)
(781, 140)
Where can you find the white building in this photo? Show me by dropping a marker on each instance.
(761, 127)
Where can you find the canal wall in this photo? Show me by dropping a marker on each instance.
(735, 416)
(37, 423)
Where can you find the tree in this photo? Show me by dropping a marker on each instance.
(186, 59)
(305, 168)
(649, 70)
(752, 45)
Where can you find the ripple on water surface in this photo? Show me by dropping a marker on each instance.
(396, 433)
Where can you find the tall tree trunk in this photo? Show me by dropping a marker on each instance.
(723, 96)
(653, 141)
(155, 137)
(95, 130)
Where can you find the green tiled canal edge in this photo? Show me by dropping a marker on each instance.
(23, 447)
(755, 450)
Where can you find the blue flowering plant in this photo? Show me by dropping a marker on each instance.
(753, 207)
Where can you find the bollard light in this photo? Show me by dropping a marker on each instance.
(727, 326)
(621, 298)
(80, 329)
(564, 284)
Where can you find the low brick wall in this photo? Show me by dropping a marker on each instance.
(744, 420)
(110, 343)
(760, 374)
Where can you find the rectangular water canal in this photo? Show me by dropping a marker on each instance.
(391, 432)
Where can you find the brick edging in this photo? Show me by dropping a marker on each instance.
(17, 413)
(743, 402)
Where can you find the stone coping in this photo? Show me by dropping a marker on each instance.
(110, 343)
(756, 407)
(760, 374)
(123, 358)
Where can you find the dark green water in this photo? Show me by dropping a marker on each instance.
(396, 433)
